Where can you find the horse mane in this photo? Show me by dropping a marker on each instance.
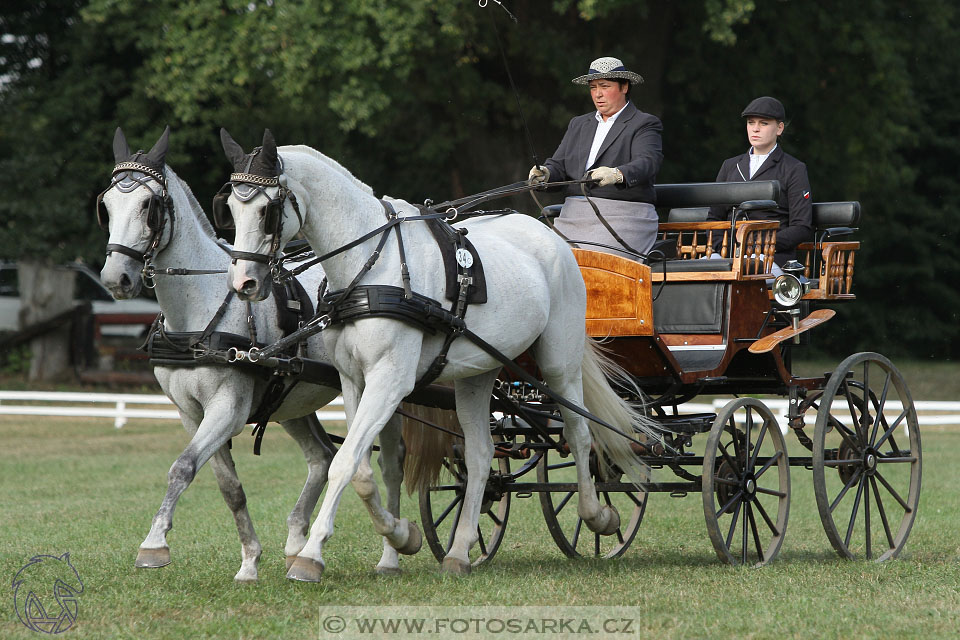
(336, 166)
(188, 201)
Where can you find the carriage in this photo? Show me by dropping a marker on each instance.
(675, 328)
(684, 327)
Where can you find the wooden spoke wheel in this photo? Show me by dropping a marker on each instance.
(559, 508)
(746, 484)
(866, 459)
(441, 507)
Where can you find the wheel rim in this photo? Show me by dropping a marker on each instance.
(746, 484)
(867, 459)
(568, 530)
(441, 505)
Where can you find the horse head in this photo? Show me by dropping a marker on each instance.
(260, 204)
(134, 208)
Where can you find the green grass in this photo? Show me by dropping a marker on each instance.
(81, 486)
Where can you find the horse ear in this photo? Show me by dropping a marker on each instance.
(159, 150)
(233, 150)
(121, 150)
(269, 149)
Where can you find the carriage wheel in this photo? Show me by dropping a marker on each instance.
(866, 459)
(440, 510)
(567, 528)
(746, 484)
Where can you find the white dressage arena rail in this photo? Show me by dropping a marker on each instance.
(110, 405)
(117, 406)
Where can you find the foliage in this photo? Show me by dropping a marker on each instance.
(413, 97)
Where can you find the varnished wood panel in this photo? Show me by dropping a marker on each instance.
(619, 301)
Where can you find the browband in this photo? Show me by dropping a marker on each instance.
(142, 168)
(255, 179)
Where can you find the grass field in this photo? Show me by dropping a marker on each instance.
(80, 486)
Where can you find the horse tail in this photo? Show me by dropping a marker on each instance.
(426, 446)
(600, 398)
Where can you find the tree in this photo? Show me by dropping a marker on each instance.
(413, 97)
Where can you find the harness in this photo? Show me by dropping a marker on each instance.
(362, 301)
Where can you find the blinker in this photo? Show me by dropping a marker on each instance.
(221, 212)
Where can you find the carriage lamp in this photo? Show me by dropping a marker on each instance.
(787, 290)
(791, 286)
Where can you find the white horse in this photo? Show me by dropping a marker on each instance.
(536, 301)
(214, 401)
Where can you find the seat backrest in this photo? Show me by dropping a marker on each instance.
(825, 214)
(700, 194)
(688, 214)
(836, 214)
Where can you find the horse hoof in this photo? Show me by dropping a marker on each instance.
(290, 561)
(153, 558)
(414, 540)
(613, 522)
(455, 566)
(388, 571)
(243, 578)
(305, 569)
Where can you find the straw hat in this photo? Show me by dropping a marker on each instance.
(608, 68)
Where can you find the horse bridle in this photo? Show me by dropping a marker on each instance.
(126, 177)
(245, 187)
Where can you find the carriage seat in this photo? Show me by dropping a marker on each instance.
(829, 265)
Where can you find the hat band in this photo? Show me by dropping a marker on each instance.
(620, 68)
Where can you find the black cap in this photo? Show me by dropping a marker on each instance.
(765, 107)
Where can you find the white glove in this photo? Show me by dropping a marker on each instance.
(538, 175)
(607, 176)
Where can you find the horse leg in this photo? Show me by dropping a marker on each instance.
(208, 435)
(392, 452)
(562, 373)
(318, 451)
(473, 411)
(380, 399)
(226, 473)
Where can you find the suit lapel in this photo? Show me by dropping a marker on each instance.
(743, 167)
(585, 140)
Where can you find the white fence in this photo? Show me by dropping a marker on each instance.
(121, 407)
(110, 405)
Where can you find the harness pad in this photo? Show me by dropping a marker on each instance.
(448, 239)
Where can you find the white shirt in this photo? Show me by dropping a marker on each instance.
(602, 129)
(756, 161)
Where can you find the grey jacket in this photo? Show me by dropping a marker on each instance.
(632, 145)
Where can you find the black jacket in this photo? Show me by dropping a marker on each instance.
(795, 204)
(632, 145)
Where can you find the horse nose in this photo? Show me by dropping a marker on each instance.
(125, 282)
(247, 288)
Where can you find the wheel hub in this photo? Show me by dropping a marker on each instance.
(726, 491)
